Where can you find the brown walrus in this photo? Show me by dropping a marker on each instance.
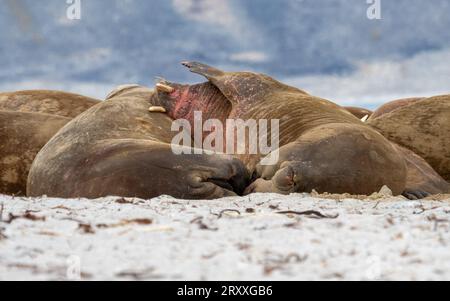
(422, 126)
(422, 179)
(360, 113)
(47, 102)
(22, 136)
(28, 119)
(120, 148)
(393, 105)
(323, 147)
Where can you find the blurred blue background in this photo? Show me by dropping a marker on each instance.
(327, 47)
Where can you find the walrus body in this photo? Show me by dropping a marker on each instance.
(359, 113)
(322, 145)
(120, 148)
(393, 105)
(46, 102)
(28, 119)
(22, 136)
(422, 179)
(422, 126)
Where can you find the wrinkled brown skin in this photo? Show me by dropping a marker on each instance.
(393, 105)
(46, 102)
(22, 135)
(359, 113)
(323, 146)
(119, 148)
(422, 179)
(422, 127)
(28, 119)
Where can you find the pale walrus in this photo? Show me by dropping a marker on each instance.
(323, 147)
(120, 148)
(28, 119)
(423, 126)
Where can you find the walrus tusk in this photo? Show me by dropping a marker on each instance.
(157, 110)
(164, 88)
(364, 119)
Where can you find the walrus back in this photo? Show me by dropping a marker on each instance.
(424, 128)
(47, 102)
(22, 136)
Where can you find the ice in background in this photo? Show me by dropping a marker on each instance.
(327, 47)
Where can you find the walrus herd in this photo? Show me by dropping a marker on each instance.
(70, 146)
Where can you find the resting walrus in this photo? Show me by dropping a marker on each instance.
(360, 113)
(28, 119)
(421, 125)
(322, 146)
(392, 106)
(120, 148)
(22, 136)
(47, 102)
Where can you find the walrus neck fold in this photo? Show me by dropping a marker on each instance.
(185, 100)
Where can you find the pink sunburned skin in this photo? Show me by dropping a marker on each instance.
(203, 98)
(184, 101)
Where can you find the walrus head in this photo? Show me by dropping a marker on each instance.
(182, 101)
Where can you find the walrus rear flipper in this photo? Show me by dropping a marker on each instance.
(203, 69)
(422, 179)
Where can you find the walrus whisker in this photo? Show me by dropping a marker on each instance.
(161, 87)
(157, 109)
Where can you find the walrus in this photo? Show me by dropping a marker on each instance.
(323, 147)
(28, 119)
(360, 113)
(122, 147)
(393, 105)
(47, 102)
(422, 126)
(422, 180)
(22, 136)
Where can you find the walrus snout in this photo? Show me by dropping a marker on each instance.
(166, 96)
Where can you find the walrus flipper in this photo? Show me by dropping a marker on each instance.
(203, 69)
(422, 179)
(415, 194)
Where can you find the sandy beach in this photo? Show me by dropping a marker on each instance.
(258, 237)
